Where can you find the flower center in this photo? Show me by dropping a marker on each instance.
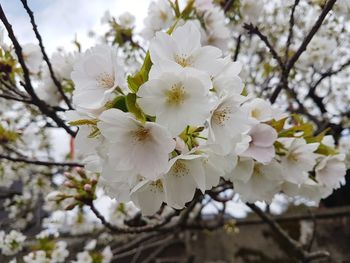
(220, 116)
(176, 95)
(157, 186)
(255, 113)
(183, 60)
(141, 134)
(105, 80)
(179, 169)
(257, 170)
(292, 157)
(163, 16)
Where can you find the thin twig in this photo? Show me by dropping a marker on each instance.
(129, 230)
(295, 247)
(228, 5)
(328, 7)
(238, 47)
(291, 27)
(46, 58)
(254, 30)
(42, 163)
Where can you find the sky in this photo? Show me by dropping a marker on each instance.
(60, 20)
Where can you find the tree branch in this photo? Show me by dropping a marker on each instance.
(255, 30)
(46, 58)
(310, 35)
(37, 162)
(291, 27)
(295, 246)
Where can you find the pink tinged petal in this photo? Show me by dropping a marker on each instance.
(261, 154)
(263, 135)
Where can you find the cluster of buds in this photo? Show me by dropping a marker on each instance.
(83, 190)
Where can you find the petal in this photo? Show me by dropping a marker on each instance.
(162, 47)
(187, 38)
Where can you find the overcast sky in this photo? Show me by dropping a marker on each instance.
(60, 20)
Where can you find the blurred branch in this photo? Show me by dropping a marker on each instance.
(42, 163)
(254, 30)
(238, 47)
(46, 58)
(328, 7)
(291, 27)
(228, 5)
(295, 247)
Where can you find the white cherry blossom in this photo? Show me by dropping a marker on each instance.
(261, 145)
(96, 75)
(330, 170)
(299, 159)
(131, 142)
(177, 100)
(183, 49)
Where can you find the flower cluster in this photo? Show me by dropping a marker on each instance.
(185, 122)
(53, 252)
(11, 243)
(92, 255)
(209, 19)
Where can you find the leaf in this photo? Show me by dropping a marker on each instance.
(7, 135)
(134, 108)
(118, 103)
(317, 138)
(134, 82)
(326, 150)
(278, 125)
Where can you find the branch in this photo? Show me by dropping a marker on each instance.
(130, 230)
(8, 97)
(310, 35)
(255, 30)
(295, 246)
(291, 26)
(46, 58)
(238, 47)
(44, 108)
(42, 163)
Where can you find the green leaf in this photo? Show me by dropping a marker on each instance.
(134, 82)
(134, 108)
(7, 135)
(118, 103)
(278, 125)
(326, 150)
